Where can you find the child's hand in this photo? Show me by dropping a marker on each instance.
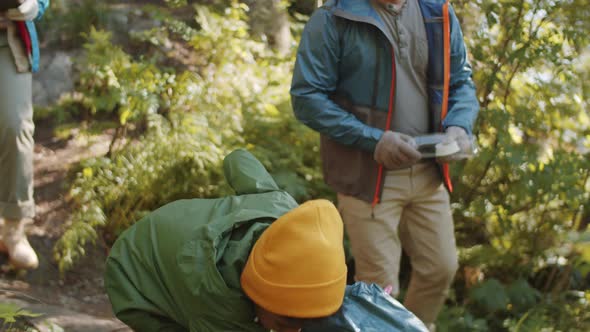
(388, 289)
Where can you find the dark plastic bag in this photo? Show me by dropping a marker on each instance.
(367, 308)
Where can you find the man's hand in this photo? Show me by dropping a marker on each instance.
(396, 150)
(27, 11)
(460, 136)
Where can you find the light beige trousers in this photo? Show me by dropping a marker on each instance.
(414, 213)
(16, 138)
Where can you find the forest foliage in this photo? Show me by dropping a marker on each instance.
(202, 86)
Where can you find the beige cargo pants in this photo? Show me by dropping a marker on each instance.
(415, 214)
(16, 138)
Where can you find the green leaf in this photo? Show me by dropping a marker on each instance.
(522, 295)
(10, 312)
(491, 295)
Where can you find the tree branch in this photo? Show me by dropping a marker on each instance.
(481, 177)
(502, 55)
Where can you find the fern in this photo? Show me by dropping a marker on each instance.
(11, 316)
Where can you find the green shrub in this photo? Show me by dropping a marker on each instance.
(166, 165)
(113, 85)
(521, 207)
(12, 318)
(237, 99)
(65, 22)
(519, 202)
(289, 150)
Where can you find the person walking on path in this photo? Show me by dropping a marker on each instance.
(369, 76)
(19, 57)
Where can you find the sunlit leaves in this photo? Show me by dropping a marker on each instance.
(527, 188)
(10, 312)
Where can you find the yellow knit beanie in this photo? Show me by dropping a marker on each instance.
(297, 267)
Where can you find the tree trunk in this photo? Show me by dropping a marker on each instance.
(269, 18)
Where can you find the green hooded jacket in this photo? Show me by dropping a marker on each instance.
(178, 269)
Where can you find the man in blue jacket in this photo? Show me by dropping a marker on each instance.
(370, 75)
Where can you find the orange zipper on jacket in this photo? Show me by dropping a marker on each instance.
(447, 81)
(377, 196)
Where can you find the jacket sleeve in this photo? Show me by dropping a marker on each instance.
(463, 103)
(43, 5)
(130, 305)
(315, 78)
(246, 175)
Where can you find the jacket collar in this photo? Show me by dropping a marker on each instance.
(359, 10)
(362, 10)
